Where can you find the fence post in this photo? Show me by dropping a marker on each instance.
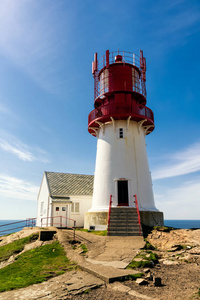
(74, 230)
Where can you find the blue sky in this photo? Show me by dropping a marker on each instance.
(46, 93)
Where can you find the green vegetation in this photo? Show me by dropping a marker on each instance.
(199, 293)
(135, 276)
(35, 266)
(148, 246)
(84, 248)
(163, 228)
(16, 247)
(87, 291)
(143, 260)
(101, 233)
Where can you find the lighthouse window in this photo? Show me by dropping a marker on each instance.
(121, 133)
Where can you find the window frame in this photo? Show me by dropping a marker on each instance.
(74, 206)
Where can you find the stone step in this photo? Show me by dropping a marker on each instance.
(124, 234)
(117, 211)
(114, 225)
(124, 229)
(124, 208)
(123, 221)
(124, 215)
(114, 218)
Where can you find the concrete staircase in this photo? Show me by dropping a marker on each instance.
(124, 222)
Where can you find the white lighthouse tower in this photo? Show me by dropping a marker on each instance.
(120, 121)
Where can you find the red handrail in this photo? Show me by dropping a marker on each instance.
(110, 204)
(60, 224)
(138, 213)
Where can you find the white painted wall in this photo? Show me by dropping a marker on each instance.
(122, 158)
(43, 196)
(85, 203)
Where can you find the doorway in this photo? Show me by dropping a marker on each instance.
(60, 213)
(122, 187)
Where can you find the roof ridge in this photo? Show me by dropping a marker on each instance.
(68, 173)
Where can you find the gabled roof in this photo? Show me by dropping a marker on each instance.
(63, 184)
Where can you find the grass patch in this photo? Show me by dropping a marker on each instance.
(16, 246)
(84, 248)
(87, 291)
(163, 228)
(101, 232)
(147, 257)
(135, 276)
(35, 266)
(148, 246)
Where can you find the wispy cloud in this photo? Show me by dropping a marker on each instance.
(15, 188)
(22, 151)
(180, 163)
(17, 150)
(181, 202)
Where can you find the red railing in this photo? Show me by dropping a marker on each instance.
(52, 221)
(138, 213)
(127, 57)
(30, 222)
(109, 211)
(113, 110)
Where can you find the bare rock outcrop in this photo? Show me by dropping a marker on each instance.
(165, 241)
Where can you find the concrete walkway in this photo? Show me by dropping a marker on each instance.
(107, 257)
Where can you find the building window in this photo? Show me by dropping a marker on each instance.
(57, 208)
(63, 208)
(121, 133)
(75, 207)
(41, 208)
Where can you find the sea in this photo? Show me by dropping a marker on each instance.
(17, 225)
(182, 224)
(13, 226)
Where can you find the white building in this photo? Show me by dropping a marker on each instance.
(64, 196)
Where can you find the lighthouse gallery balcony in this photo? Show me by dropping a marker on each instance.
(136, 111)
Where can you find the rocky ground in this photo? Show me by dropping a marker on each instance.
(178, 267)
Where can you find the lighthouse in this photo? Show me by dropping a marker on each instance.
(120, 121)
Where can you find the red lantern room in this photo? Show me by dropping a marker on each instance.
(119, 90)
